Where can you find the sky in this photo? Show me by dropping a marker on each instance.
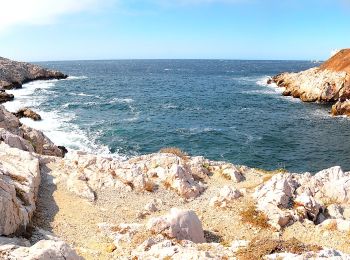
(44, 30)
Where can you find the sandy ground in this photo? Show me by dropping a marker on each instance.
(75, 219)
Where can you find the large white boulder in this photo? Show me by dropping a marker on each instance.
(179, 224)
(44, 249)
(19, 183)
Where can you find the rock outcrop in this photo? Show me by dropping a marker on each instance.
(19, 183)
(14, 249)
(27, 112)
(328, 83)
(13, 74)
(143, 173)
(20, 136)
(288, 197)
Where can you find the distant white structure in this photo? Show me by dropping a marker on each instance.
(334, 52)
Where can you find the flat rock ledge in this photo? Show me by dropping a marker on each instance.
(328, 83)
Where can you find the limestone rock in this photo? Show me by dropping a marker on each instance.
(19, 183)
(227, 195)
(287, 198)
(123, 232)
(178, 250)
(341, 108)
(323, 254)
(13, 74)
(34, 139)
(45, 249)
(141, 173)
(179, 224)
(313, 84)
(27, 112)
(15, 141)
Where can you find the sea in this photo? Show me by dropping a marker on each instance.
(220, 109)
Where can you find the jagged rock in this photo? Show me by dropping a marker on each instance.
(44, 249)
(227, 195)
(139, 173)
(4, 97)
(323, 254)
(19, 183)
(338, 224)
(335, 211)
(15, 141)
(313, 84)
(37, 140)
(13, 74)
(120, 233)
(27, 112)
(328, 83)
(341, 108)
(179, 224)
(287, 198)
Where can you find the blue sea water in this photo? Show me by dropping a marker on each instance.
(221, 109)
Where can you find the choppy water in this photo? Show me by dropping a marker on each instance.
(218, 109)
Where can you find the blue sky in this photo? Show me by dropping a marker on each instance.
(37, 30)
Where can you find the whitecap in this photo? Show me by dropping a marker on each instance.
(76, 77)
(81, 94)
(121, 100)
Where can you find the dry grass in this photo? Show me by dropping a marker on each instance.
(254, 217)
(176, 151)
(257, 249)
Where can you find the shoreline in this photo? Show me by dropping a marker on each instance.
(162, 205)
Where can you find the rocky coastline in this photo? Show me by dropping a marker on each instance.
(329, 83)
(166, 205)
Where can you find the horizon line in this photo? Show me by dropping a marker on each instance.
(170, 59)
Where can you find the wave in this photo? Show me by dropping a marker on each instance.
(56, 124)
(121, 100)
(81, 94)
(76, 77)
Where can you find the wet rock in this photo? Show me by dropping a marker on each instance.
(37, 140)
(4, 97)
(27, 112)
(341, 108)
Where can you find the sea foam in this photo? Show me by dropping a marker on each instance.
(56, 124)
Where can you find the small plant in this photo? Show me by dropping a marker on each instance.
(176, 151)
(258, 249)
(254, 217)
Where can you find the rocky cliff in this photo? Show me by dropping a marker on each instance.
(328, 83)
(13, 73)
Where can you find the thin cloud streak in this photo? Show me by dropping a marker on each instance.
(40, 12)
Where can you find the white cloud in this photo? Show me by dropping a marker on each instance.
(39, 12)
